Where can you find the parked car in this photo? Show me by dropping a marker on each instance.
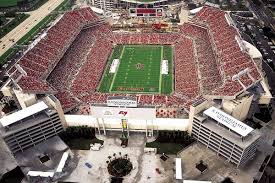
(88, 165)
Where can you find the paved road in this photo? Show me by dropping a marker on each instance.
(35, 17)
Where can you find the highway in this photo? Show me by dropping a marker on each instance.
(35, 17)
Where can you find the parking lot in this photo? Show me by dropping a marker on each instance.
(250, 27)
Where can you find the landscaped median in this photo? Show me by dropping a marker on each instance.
(65, 5)
(20, 5)
(16, 20)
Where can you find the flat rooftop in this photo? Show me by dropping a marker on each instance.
(27, 122)
(29, 159)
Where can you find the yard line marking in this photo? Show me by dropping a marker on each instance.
(117, 69)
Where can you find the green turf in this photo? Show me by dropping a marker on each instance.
(167, 148)
(82, 143)
(8, 3)
(139, 70)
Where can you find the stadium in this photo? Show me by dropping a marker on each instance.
(192, 79)
(100, 83)
(203, 61)
(82, 62)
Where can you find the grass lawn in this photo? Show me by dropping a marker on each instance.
(7, 3)
(138, 70)
(167, 148)
(82, 143)
(16, 3)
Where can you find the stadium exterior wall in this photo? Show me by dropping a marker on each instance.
(132, 124)
(126, 4)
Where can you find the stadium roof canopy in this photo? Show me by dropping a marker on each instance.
(144, 1)
(228, 121)
(178, 168)
(97, 10)
(40, 174)
(196, 10)
(62, 162)
(19, 115)
(196, 181)
(252, 50)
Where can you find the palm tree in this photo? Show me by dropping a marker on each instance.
(119, 153)
(107, 162)
(114, 155)
(227, 180)
(109, 157)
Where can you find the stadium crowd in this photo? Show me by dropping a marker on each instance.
(145, 38)
(207, 66)
(232, 58)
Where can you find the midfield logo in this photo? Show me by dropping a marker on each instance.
(124, 113)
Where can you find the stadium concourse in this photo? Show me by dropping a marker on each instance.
(209, 60)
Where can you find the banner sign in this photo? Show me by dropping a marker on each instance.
(122, 101)
(228, 121)
(123, 113)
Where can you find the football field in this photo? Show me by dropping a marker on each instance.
(139, 70)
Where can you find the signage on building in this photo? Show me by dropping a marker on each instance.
(145, 12)
(123, 112)
(228, 121)
(108, 113)
(122, 101)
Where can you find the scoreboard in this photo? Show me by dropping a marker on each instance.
(146, 12)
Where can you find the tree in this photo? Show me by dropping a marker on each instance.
(11, 13)
(227, 180)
